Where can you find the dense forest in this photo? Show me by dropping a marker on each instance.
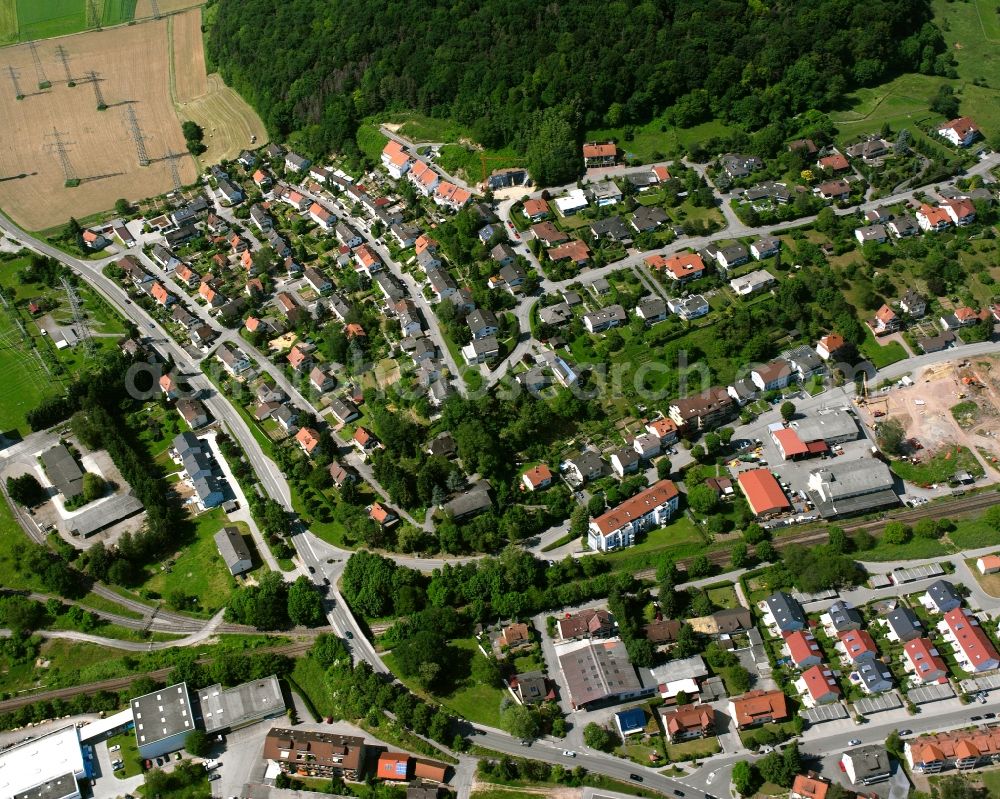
(515, 71)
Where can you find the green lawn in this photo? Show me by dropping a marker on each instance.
(129, 753)
(41, 19)
(882, 354)
(8, 21)
(680, 538)
(723, 596)
(649, 143)
(198, 570)
(940, 467)
(465, 162)
(10, 534)
(33, 369)
(420, 128)
(690, 750)
(309, 677)
(973, 534)
(477, 703)
(914, 549)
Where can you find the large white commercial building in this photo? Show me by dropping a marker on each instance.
(47, 767)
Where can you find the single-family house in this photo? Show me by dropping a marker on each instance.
(537, 477)
(885, 321)
(765, 247)
(818, 686)
(599, 154)
(960, 132)
(651, 309)
(871, 233)
(604, 319)
(536, 209)
(575, 251)
(931, 217)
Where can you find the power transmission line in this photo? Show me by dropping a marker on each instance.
(63, 56)
(43, 82)
(18, 93)
(95, 81)
(136, 133)
(60, 146)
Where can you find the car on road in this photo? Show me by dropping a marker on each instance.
(854, 742)
(989, 715)
(349, 635)
(525, 743)
(569, 753)
(678, 792)
(635, 777)
(326, 581)
(906, 732)
(152, 326)
(312, 570)
(975, 718)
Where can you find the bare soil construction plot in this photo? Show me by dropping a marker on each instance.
(132, 64)
(925, 409)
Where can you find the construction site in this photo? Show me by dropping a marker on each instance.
(948, 411)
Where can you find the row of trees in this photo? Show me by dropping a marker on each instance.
(512, 585)
(273, 604)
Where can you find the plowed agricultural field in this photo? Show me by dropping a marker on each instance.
(156, 69)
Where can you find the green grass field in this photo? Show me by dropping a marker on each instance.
(465, 162)
(940, 467)
(25, 20)
(656, 140)
(881, 354)
(42, 19)
(198, 569)
(26, 379)
(8, 21)
(477, 703)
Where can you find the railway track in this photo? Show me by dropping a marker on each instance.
(938, 510)
(120, 683)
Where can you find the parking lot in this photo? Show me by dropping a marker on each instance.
(794, 475)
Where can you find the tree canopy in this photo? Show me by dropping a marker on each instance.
(515, 73)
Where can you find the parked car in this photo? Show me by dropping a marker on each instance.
(114, 748)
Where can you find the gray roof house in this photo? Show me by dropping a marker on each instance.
(844, 617)
(941, 596)
(867, 764)
(611, 228)
(234, 550)
(470, 503)
(63, 471)
(903, 624)
(588, 465)
(648, 218)
(786, 612)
